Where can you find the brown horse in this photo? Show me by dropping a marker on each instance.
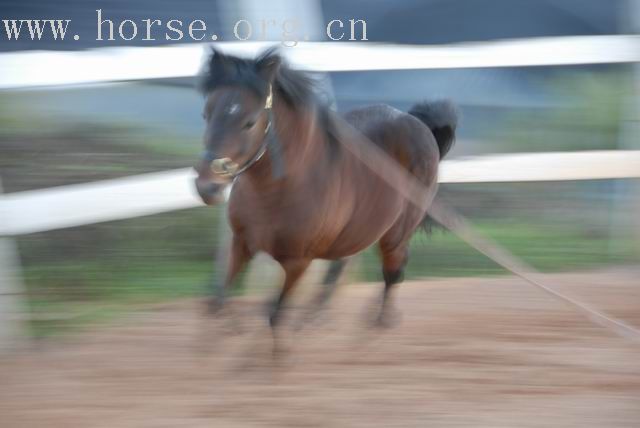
(298, 193)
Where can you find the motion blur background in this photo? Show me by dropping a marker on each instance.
(64, 135)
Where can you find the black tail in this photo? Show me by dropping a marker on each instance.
(442, 119)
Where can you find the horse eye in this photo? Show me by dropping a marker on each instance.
(249, 125)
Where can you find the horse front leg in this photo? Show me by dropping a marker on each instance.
(239, 256)
(293, 269)
(225, 273)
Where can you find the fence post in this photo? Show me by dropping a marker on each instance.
(12, 308)
(632, 128)
(636, 121)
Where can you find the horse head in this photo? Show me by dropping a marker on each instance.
(238, 116)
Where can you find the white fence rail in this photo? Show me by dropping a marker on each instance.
(82, 204)
(25, 69)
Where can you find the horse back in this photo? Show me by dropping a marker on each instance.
(402, 136)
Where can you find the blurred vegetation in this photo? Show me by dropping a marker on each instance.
(99, 270)
(548, 249)
(40, 152)
(79, 275)
(585, 114)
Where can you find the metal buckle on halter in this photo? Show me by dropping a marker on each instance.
(268, 104)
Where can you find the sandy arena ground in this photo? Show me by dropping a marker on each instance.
(490, 352)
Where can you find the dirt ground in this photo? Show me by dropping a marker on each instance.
(490, 352)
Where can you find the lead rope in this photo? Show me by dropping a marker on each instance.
(453, 221)
(416, 193)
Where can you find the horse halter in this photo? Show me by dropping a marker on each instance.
(228, 169)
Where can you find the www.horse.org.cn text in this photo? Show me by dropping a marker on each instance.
(289, 31)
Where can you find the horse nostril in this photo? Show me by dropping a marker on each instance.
(223, 167)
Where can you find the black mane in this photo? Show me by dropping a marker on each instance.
(294, 86)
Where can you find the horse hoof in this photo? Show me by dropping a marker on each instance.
(214, 307)
(233, 328)
(281, 351)
(388, 319)
(311, 320)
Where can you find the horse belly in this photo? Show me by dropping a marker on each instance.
(366, 226)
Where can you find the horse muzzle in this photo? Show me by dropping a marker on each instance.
(224, 168)
(211, 193)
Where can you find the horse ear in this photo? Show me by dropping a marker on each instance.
(217, 60)
(215, 68)
(268, 64)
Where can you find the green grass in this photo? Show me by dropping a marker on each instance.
(547, 248)
(99, 268)
(81, 293)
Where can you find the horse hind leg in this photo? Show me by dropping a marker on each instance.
(320, 300)
(394, 260)
(329, 284)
